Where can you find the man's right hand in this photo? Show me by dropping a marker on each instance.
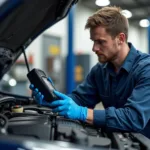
(39, 97)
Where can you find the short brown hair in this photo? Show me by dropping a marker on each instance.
(111, 19)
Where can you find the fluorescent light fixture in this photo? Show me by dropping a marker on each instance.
(144, 23)
(127, 13)
(102, 2)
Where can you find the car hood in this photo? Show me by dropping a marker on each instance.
(21, 21)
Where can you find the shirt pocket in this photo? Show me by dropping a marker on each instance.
(106, 100)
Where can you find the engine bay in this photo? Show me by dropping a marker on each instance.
(39, 123)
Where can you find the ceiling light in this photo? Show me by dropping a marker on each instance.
(102, 2)
(144, 23)
(127, 13)
(12, 82)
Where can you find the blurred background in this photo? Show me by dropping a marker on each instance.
(64, 51)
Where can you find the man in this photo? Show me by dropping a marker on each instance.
(121, 79)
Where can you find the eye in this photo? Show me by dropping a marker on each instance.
(101, 42)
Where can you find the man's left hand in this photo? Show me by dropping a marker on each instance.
(68, 108)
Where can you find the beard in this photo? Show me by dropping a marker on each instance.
(107, 58)
(102, 59)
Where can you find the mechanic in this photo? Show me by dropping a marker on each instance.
(120, 80)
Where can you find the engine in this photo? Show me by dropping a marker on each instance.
(22, 120)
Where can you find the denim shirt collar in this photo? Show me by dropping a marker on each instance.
(130, 59)
(128, 63)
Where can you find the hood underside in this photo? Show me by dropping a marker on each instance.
(24, 22)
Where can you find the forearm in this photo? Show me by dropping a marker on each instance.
(90, 117)
(126, 119)
(96, 117)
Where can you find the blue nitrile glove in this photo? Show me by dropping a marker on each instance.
(39, 97)
(68, 108)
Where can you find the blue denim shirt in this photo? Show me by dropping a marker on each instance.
(125, 95)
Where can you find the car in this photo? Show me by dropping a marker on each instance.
(23, 123)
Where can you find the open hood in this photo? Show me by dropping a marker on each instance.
(21, 21)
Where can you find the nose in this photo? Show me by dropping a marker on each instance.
(95, 47)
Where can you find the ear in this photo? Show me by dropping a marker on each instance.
(121, 38)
